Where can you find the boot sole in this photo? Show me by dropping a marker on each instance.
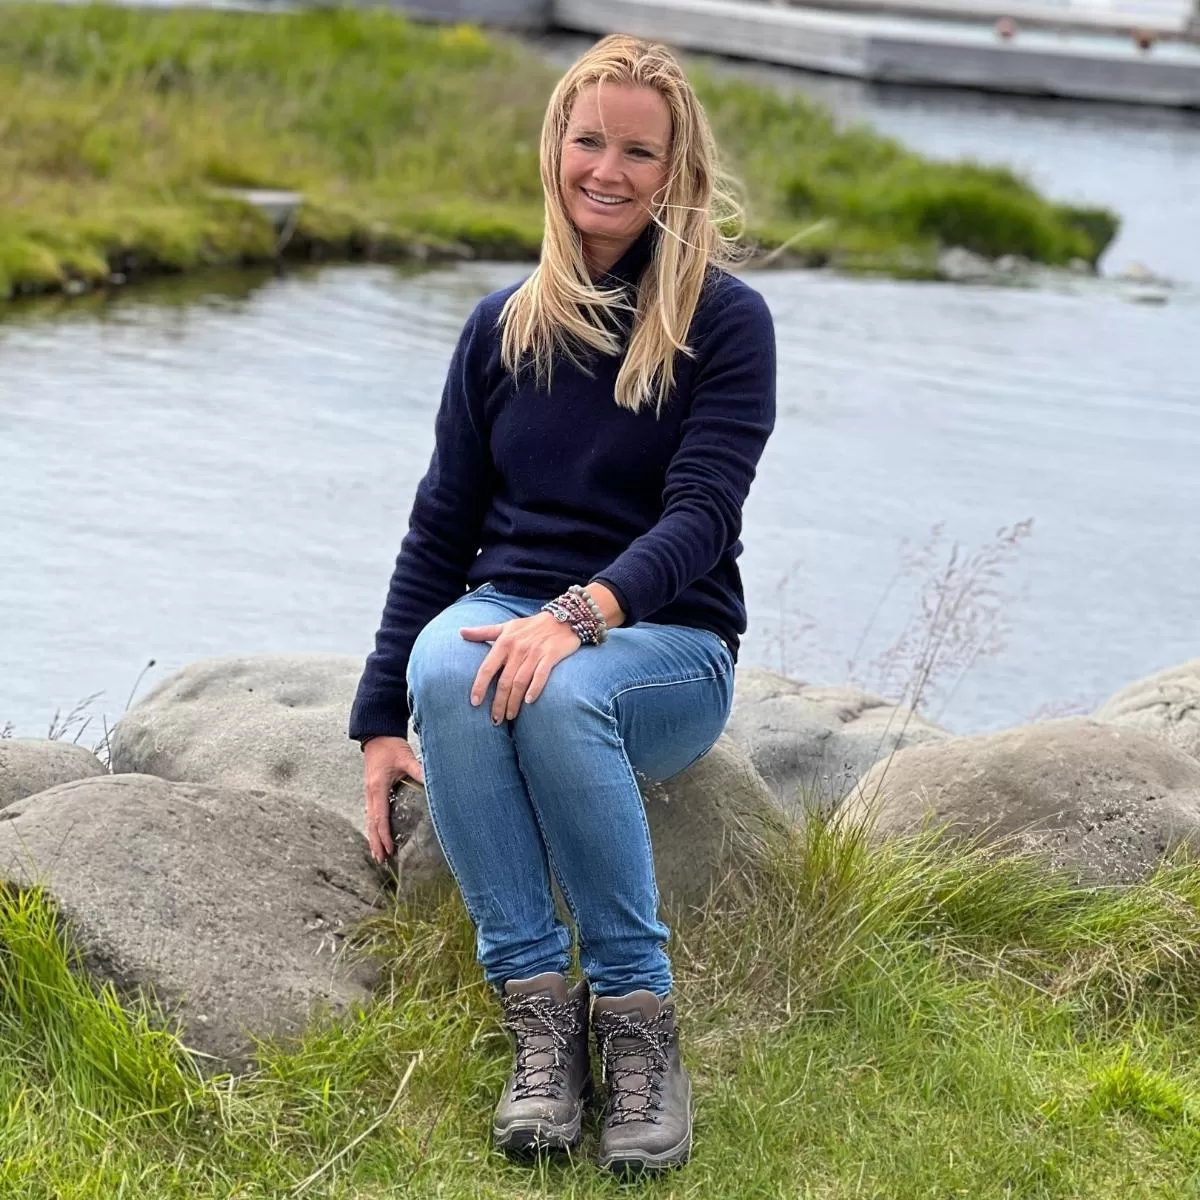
(527, 1141)
(540, 1137)
(634, 1162)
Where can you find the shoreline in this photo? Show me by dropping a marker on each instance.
(954, 266)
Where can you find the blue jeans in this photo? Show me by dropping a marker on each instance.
(555, 788)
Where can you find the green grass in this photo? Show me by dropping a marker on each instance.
(903, 1021)
(118, 126)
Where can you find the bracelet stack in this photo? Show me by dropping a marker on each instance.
(575, 607)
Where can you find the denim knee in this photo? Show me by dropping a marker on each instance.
(572, 705)
(441, 669)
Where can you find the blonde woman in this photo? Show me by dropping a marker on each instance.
(565, 609)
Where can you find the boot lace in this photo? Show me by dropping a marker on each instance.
(535, 1021)
(634, 1069)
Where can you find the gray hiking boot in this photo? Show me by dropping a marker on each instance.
(648, 1108)
(541, 1107)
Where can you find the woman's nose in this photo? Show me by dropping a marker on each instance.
(608, 165)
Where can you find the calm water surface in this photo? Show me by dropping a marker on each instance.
(220, 470)
(209, 473)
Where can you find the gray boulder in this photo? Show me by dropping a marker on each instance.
(959, 265)
(704, 823)
(279, 721)
(229, 905)
(1096, 798)
(262, 721)
(31, 765)
(814, 743)
(1166, 703)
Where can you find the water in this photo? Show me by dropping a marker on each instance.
(226, 466)
(201, 471)
(1142, 162)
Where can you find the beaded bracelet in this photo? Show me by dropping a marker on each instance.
(597, 615)
(576, 608)
(572, 609)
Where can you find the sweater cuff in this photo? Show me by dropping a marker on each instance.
(617, 591)
(377, 716)
(634, 592)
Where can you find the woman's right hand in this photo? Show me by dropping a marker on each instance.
(386, 761)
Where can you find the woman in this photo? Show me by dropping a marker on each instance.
(598, 433)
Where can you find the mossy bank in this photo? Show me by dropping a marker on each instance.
(120, 128)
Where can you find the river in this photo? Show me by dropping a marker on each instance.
(224, 466)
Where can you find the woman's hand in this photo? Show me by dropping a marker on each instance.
(524, 651)
(386, 761)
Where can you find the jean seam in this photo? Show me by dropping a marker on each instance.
(616, 729)
(636, 687)
(611, 717)
(554, 870)
(438, 834)
(654, 683)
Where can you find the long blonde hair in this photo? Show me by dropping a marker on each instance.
(558, 309)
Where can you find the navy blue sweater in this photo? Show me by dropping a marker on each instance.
(534, 491)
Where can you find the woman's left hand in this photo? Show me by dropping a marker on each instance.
(524, 651)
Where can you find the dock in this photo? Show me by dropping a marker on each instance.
(1121, 51)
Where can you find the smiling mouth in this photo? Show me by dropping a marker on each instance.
(604, 198)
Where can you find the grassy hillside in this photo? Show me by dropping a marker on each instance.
(119, 127)
(905, 1022)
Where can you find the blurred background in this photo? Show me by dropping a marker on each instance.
(237, 245)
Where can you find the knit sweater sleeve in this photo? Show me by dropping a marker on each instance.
(442, 539)
(731, 414)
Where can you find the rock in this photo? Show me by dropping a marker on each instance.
(812, 744)
(703, 823)
(1013, 264)
(1166, 703)
(1097, 798)
(228, 904)
(1136, 272)
(1147, 287)
(706, 821)
(417, 857)
(263, 721)
(277, 205)
(1147, 295)
(960, 265)
(31, 765)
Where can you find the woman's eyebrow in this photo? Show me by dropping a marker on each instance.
(635, 139)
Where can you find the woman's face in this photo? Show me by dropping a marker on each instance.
(614, 160)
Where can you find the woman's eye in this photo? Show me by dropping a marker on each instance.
(639, 152)
(586, 141)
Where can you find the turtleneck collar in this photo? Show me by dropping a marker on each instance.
(629, 267)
